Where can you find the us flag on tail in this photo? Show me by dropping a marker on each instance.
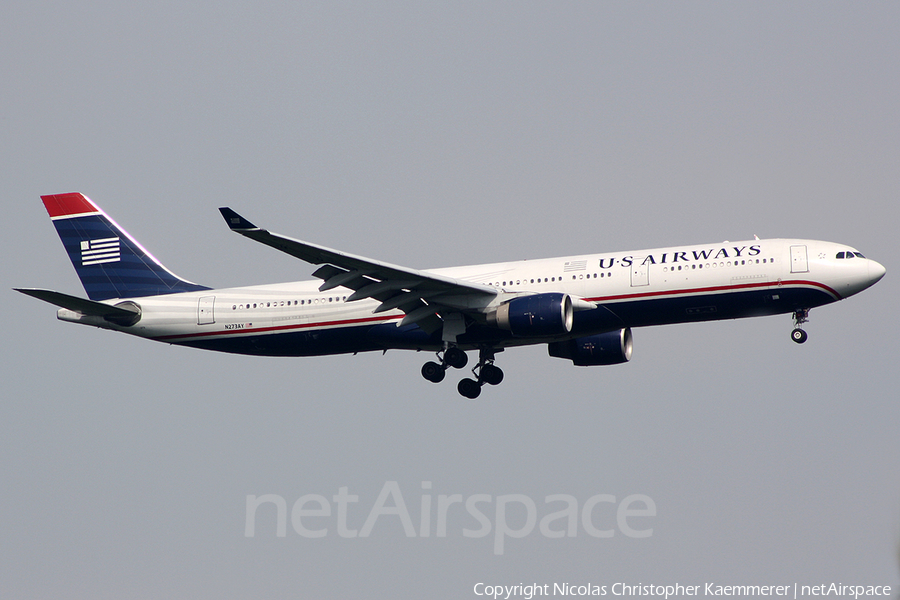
(94, 252)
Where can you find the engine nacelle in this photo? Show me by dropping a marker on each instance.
(537, 315)
(609, 348)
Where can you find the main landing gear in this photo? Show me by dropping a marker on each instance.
(485, 371)
(451, 357)
(800, 317)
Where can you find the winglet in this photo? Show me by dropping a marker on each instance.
(236, 221)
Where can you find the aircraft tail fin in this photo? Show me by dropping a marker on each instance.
(109, 262)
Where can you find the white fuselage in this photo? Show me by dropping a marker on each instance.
(640, 287)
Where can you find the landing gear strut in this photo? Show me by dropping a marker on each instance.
(451, 357)
(485, 372)
(800, 317)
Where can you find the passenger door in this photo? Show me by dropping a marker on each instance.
(206, 310)
(799, 260)
(640, 273)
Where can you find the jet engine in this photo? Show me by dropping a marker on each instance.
(536, 315)
(609, 348)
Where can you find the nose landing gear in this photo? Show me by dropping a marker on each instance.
(800, 317)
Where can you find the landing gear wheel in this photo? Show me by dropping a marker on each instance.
(801, 316)
(491, 374)
(469, 388)
(433, 372)
(455, 357)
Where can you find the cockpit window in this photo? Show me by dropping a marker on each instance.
(840, 255)
(858, 254)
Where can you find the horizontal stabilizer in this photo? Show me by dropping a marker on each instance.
(127, 314)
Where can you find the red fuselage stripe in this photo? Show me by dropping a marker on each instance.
(721, 288)
(281, 327)
(602, 299)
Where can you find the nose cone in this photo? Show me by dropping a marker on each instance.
(876, 272)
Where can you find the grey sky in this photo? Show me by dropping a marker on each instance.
(434, 135)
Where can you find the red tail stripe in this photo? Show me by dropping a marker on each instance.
(63, 205)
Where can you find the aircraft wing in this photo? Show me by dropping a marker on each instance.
(419, 294)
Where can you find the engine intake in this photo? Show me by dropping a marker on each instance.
(609, 348)
(537, 315)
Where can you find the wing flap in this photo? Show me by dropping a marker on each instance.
(352, 279)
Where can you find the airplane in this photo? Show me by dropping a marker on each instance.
(582, 307)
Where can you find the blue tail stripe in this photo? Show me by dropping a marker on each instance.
(111, 264)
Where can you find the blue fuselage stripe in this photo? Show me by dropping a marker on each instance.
(338, 337)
